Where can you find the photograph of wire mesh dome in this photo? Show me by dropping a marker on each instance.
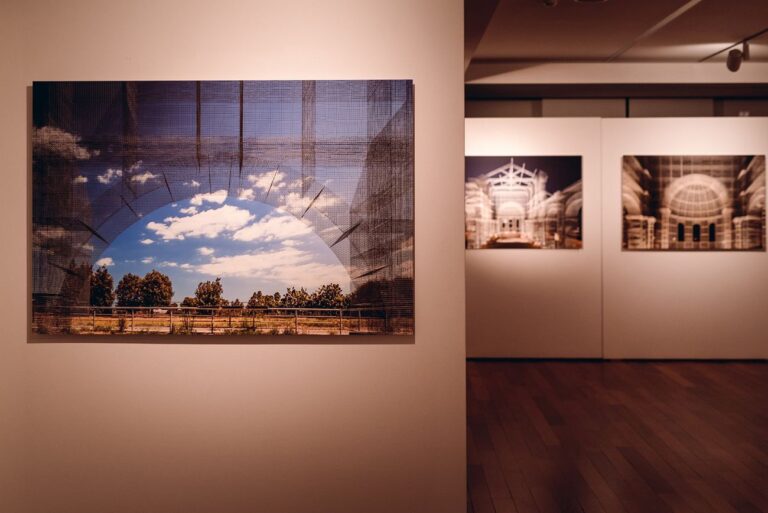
(223, 208)
(523, 202)
(694, 203)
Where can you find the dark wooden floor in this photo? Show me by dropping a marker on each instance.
(555, 436)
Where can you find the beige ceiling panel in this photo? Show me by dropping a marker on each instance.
(527, 30)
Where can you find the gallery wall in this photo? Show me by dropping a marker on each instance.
(306, 426)
(602, 301)
(677, 304)
(526, 302)
(11, 348)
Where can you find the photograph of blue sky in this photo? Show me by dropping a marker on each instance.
(251, 246)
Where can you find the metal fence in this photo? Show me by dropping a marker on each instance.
(91, 320)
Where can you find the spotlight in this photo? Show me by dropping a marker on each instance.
(736, 57)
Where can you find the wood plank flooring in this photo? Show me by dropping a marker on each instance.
(623, 437)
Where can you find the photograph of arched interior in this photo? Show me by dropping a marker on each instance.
(223, 208)
(523, 202)
(694, 203)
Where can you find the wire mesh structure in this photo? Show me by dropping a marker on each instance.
(337, 155)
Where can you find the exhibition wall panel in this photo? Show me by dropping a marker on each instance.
(701, 297)
(680, 304)
(538, 302)
(11, 349)
(316, 426)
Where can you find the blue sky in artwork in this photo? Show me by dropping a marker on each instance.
(250, 245)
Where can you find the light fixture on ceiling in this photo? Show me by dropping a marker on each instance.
(736, 57)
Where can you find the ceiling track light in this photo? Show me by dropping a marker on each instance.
(736, 57)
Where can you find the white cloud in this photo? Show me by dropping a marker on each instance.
(188, 211)
(205, 251)
(331, 230)
(113, 174)
(109, 175)
(271, 228)
(193, 183)
(168, 264)
(246, 194)
(52, 142)
(209, 223)
(291, 266)
(105, 261)
(147, 260)
(210, 197)
(187, 267)
(325, 201)
(294, 202)
(147, 242)
(80, 179)
(264, 180)
(143, 177)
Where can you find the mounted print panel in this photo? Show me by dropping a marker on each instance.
(240, 208)
(523, 202)
(693, 203)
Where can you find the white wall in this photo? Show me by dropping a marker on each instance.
(12, 278)
(537, 303)
(129, 428)
(681, 304)
(634, 304)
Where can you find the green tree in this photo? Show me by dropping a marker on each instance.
(256, 301)
(128, 291)
(237, 304)
(101, 287)
(295, 298)
(209, 293)
(329, 296)
(156, 289)
(189, 301)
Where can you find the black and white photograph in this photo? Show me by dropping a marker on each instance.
(523, 202)
(694, 203)
(223, 208)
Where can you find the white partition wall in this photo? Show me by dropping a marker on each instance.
(680, 304)
(315, 426)
(538, 302)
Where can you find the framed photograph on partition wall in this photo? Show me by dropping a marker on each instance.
(223, 208)
(693, 203)
(523, 202)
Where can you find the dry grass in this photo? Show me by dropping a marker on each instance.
(165, 324)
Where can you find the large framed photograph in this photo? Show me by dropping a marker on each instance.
(523, 202)
(223, 208)
(694, 202)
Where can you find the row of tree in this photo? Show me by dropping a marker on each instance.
(156, 290)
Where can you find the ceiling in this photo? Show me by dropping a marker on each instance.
(524, 31)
